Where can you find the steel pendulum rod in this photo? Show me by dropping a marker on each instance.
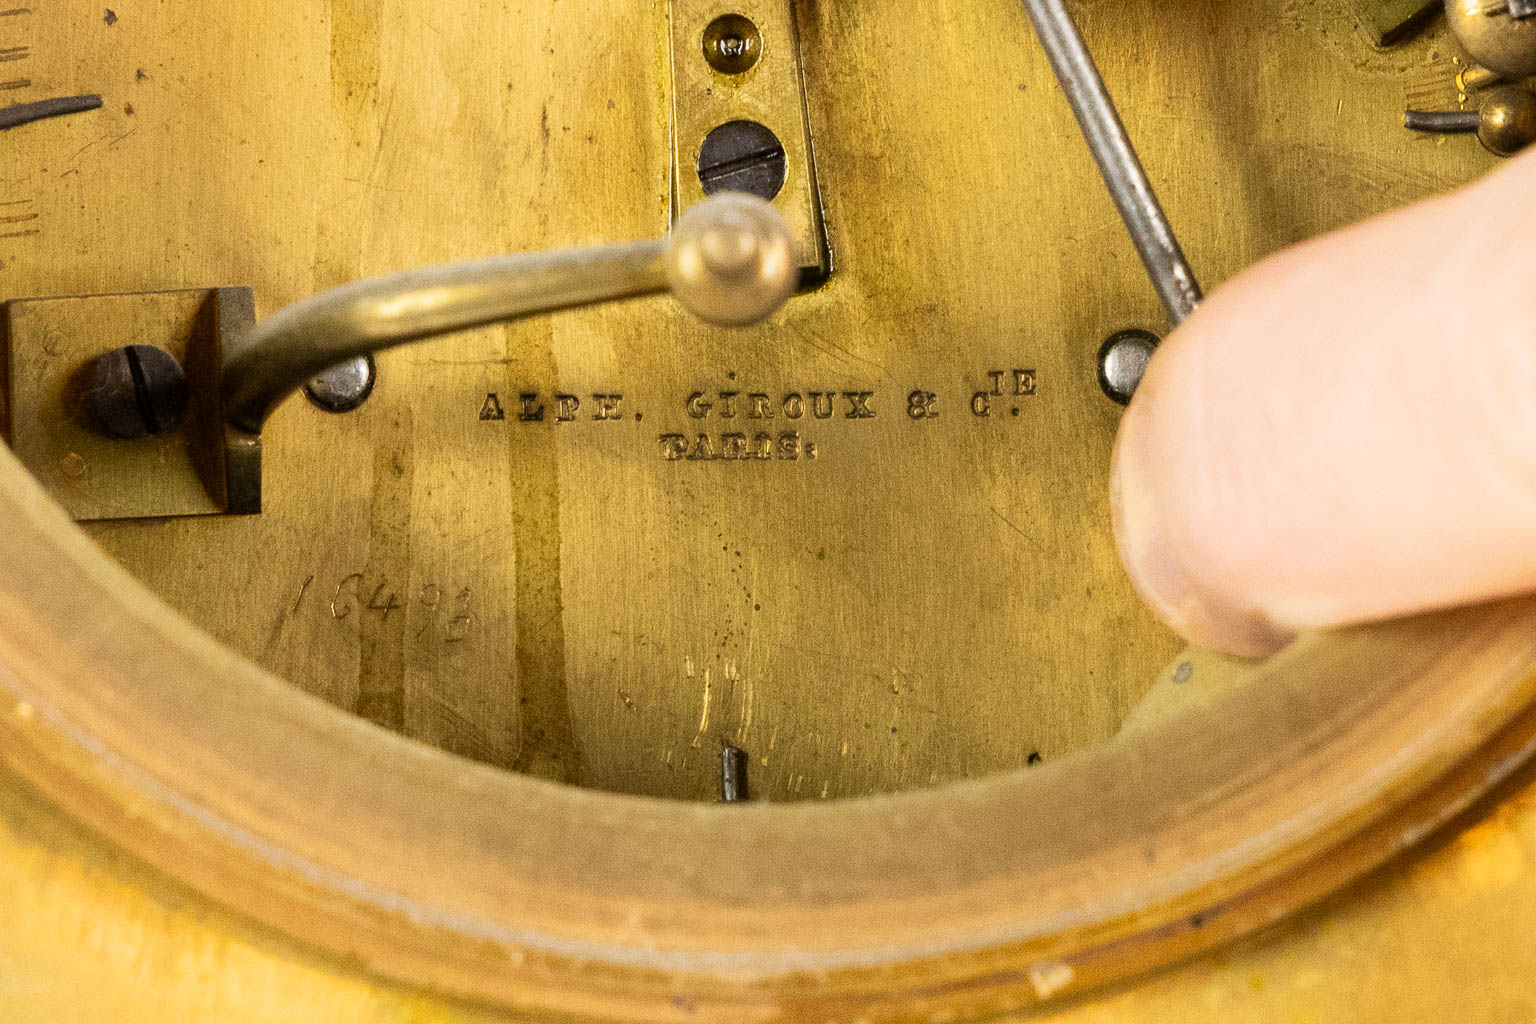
(1111, 147)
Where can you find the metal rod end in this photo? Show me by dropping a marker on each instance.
(731, 260)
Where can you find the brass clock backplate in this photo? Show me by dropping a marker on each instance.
(904, 591)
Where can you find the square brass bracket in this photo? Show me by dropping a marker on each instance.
(201, 468)
(1392, 21)
(771, 92)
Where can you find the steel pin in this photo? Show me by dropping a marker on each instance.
(733, 774)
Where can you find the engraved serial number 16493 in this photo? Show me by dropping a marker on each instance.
(443, 612)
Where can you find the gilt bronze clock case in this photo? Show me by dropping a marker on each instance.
(447, 712)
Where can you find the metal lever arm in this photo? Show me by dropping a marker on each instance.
(730, 260)
(288, 348)
(1111, 147)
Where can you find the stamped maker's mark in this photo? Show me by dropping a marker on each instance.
(751, 414)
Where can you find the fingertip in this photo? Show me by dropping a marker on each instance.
(1338, 435)
(1145, 518)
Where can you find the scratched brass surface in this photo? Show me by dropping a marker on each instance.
(925, 599)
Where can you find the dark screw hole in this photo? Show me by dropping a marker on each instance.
(732, 44)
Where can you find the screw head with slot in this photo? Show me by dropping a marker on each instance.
(137, 391)
(742, 156)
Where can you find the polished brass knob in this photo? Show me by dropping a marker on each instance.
(1494, 37)
(731, 260)
(1504, 121)
(1507, 120)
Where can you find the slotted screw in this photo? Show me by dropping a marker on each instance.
(136, 391)
(742, 156)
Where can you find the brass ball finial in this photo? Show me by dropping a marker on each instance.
(1494, 38)
(1507, 120)
(731, 260)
